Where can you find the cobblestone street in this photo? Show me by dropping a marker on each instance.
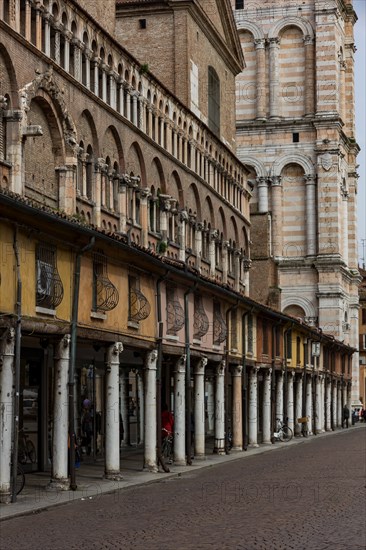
(308, 496)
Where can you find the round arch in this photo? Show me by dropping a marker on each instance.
(135, 149)
(9, 68)
(254, 29)
(194, 201)
(175, 177)
(209, 212)
(258, 166)
(90, 120)
(299, 301)
(158, 167)
(304, 161)
(304, 25)
(117, 140)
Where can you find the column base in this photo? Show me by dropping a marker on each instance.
(269, 442)
(237, 448)
(200, 457)
(180, 461)
(61, 484)
(253, 445)
(5, 497)
(113, 475)
(219, 448)
(152, 468)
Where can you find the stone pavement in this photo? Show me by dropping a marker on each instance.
(91, 485)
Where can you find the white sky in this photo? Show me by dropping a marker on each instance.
(360, 84)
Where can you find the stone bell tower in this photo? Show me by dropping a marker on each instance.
(296, 133)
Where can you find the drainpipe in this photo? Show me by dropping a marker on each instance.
(18, 335)
(226, 408)
(158, 370)
(188, 373)
(71, 383)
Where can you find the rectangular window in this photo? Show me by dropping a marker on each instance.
(49, 288)
(239, 4)
(142, 23)
(295, 137)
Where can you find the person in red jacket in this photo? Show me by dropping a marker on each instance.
(167, 421)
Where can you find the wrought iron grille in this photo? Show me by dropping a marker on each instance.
(139, 306)
(49, 287)
(200, 321)
(219, 326)
(105, 294)
(175, 312)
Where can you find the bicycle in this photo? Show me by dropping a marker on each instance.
(283, 432)
(26, 449)
(20, 481)
(167, 446)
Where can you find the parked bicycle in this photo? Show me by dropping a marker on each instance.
(167, 446)
(26, 449)
(283, 432)
(20, 481)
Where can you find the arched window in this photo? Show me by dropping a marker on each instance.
(213, 101)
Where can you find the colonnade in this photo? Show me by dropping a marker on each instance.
(319, 396)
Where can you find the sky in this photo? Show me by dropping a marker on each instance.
(360, 87)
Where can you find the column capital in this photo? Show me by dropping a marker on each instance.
(200, 366)
(260, 43)
(150, 360)
(310, 179)
(308, 40)
(180, 364)
(274, 42)
(291, 374)
(276, 181)
(117, 348)
(261, 181)
(236, 371)
(220, 368)
(268, 372)
(254, 370)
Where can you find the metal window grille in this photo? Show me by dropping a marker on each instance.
(105, 294)
(219, 326)
(175, 312)
(138, 306)
(200, 321)
(49, 288)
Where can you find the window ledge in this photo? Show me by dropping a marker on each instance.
(46, 311)
(215, 347)
(197, 341)
(98, 315)
(133, 324)
(172, 337)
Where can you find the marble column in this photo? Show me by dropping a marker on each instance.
(220, 409)
(7, 349)
(345, 226)
(322, 403)
(328, 409)
(334, 405)
(309, 403)
(253, 407)
(261, 78)
(237, 415)
(317, 405)
(199, 408)
(309, 76)
(262, 186)
(112, 413)
(339, 405)
(277, 216)
(311, 225)
(279, 396)
(299, 388)
(60, 439)
(210, 405)
(274, 94)
(150, 436)
(290, 400)
(267, 407)
(180, 412)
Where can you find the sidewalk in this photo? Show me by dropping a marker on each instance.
(91, 485)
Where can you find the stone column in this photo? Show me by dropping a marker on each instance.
(220, 409)
(279, 396)
(225, 260)
(87, 58)
(144, 215)
(345, 227)
(150, 457)
(68, 36)
(253, 406)
(262, 194)
(183, 218)
(299, 384)
(344, 400)
(121, 92)
(328, 406)
(311, 226)
(67, 187)
(290, 400)
(339, 405)
(134, 109)
(267, 407)
(128, 102)
(112, 89)
(309, 75)
(199, 408)
(28, 31)
(123, 399)
(198, 243)
(38, 43)
(112, 413)
(322, 403)
(140, 397)
(7, 345)
(95, 62)
(60, 439)
(334, 405)
(57, 44)
(261, 78)
(77, 58)
(122, 200)
(309, 402)
(212, 250)
(180, 412)
(237, 416)
(274, 109)
(277, 215)
(104, 69)
(210, 405)
(317, 405)
(47, 34)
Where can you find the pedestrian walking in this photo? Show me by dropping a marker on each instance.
(345, 416)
